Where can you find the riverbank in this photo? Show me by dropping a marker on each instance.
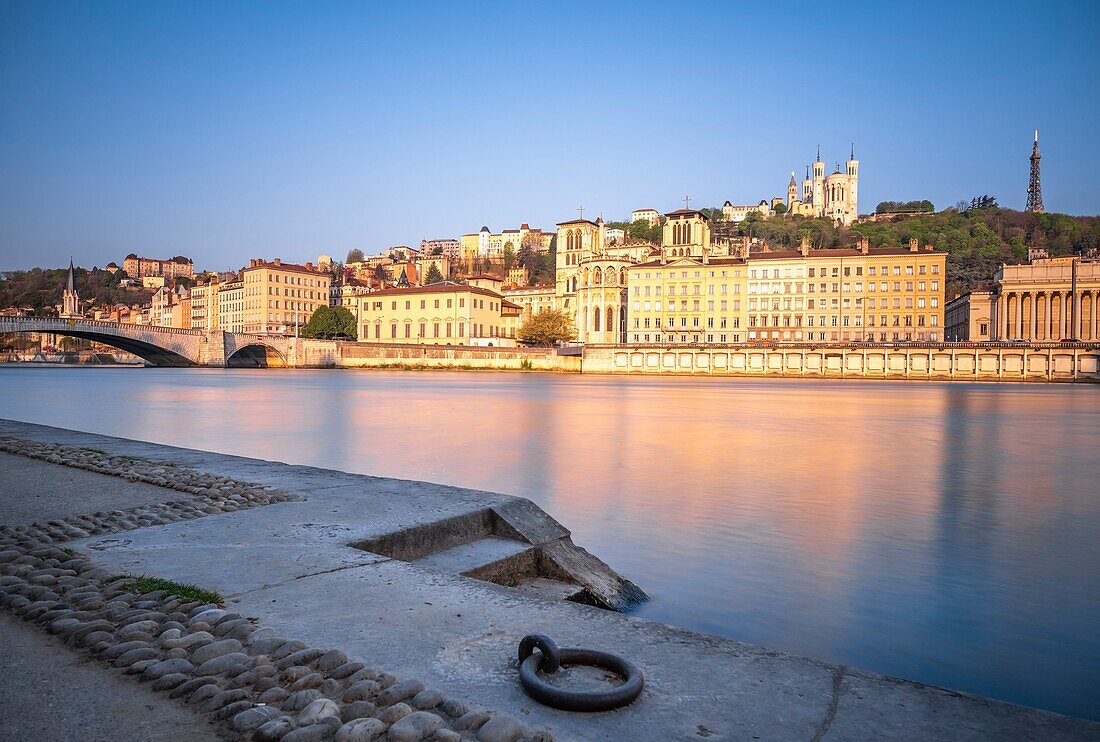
(459, 634)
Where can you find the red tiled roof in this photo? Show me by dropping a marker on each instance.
(435, 288)
(577, 221)
(293, 267)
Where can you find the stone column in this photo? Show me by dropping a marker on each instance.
(1019, 314)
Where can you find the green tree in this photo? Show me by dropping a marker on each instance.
(355, 255)
(780, 209)
(548, 328)
(434, 276)
(509, 255)
(330, 322)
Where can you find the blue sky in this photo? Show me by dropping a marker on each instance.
(228, 130)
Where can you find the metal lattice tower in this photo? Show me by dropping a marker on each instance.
(1034, 186)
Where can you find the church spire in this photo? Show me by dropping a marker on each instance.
(853, 151)
(818, 154)
(70, 279)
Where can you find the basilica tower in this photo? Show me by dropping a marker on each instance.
(819, 185)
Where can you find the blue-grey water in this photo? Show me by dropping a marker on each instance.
(944, 532)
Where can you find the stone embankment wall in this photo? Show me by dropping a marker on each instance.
(261, 685)
(979, 362)
(386, 355)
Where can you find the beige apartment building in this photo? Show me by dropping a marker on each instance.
(861, 294)
(967, 317)
(204, 306)
(439, 314)
(1048, 299)
(231, 306)
(840, 295)
(279, 297)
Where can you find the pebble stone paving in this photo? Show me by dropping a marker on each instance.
(257, 684)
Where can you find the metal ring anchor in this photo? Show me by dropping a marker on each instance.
(550, 658)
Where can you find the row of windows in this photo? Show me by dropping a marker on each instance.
(446, 328)
(696, 289)
(722, 338)
(786, 320)
(297, 280)
(849, 270)
(723, 305)
(847, 302)
(722, 322)
(837, 287)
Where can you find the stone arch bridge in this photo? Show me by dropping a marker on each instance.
(168, 346)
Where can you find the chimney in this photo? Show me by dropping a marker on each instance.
(804, 246)
(914, 244)
(309, 266)
(278, 261)
(864, 245)
(928, 247)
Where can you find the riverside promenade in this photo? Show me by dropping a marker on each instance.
(357, 607)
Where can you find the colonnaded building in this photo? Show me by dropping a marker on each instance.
(1046, 299)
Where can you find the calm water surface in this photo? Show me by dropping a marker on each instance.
(948, 533)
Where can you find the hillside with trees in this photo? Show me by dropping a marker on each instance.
(40, 289)
(978, 237)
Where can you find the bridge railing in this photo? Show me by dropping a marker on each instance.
(62, 324)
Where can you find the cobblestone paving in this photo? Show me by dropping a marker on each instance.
(260, 685)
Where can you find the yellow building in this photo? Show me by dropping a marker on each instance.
(439, 314)
(278, 296)
(686, 300)
(1048, 299)
(842, 295)
(967, 317)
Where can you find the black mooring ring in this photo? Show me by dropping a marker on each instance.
(572, 700)
(546, 645)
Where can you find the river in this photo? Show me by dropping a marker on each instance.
(943, 532)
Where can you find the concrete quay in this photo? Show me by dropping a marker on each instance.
(301, 567)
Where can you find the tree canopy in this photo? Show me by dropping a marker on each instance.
(355, 255)
(434, 276)
(548, 328)
(903, 207)
(330, 322)
(979, 240)
(40, 289)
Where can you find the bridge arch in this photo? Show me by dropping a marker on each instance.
(128, 338)
(256, 355)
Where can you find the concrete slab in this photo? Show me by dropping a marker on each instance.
(473, 554)
(292, 565)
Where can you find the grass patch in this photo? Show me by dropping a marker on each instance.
(69, 551)
(525, 365)
(146, 584)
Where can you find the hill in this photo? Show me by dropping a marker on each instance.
(41, 289)
(977, 241)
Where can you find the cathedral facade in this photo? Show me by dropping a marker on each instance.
(834, 196)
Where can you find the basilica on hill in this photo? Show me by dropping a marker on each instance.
(834, 196)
